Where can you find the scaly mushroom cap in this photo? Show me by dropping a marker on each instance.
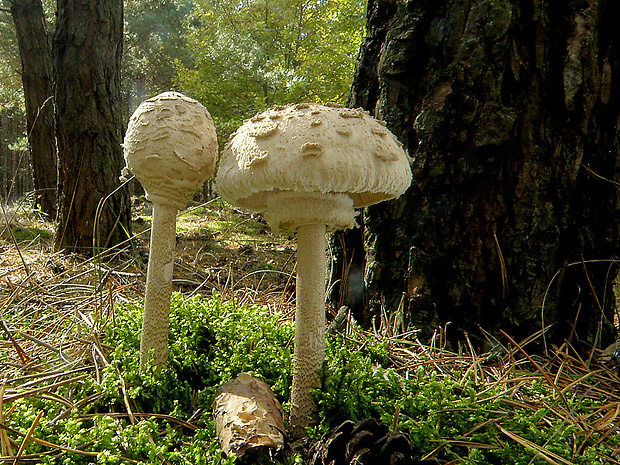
(312, 163)
(171, 147)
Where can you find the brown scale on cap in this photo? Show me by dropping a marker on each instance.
(264, 130)
(311, 149)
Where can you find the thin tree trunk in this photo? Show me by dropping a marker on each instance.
(36, 58)
(87, 54)
(510, 110)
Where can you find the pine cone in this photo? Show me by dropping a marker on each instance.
(366, 442)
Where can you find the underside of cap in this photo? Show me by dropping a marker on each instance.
(286, 211)
(312, 148)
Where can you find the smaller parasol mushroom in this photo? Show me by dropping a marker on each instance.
(171, 147)
(307, 167)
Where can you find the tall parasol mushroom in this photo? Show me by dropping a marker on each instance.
(171, 147)
(307, 167)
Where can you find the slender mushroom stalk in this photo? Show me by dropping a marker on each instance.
(309, 319)
(155, 319)
(307, 167)
(171, 147)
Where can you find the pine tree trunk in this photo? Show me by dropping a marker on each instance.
(510, 110)
(36, 58)
(87, 56)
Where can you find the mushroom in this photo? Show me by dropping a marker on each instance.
(171, 147)
(308, 167)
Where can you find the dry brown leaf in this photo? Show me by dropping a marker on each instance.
(247, 416)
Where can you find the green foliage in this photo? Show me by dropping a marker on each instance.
(154, 42)
(450, 419)
(211, 341)
(10, 68)
(252, 54)
(23, 234)
(13, 116)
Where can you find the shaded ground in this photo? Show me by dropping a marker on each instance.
(222, 248)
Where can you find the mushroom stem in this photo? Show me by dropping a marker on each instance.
(309, 325)
(155, 320)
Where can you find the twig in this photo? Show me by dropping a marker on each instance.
(21, 353)
(22, 448)
(545, 454)
(25, 265)
(540, 370)
(21, 395)
(7, 448)
(47, 443)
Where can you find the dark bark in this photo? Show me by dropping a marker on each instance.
(510, 110)
(87, 55)
(36, 59)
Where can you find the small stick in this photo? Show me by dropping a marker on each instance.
(7, 448)
(27, 437)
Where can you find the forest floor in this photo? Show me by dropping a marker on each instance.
(53, 306)
(218, 248)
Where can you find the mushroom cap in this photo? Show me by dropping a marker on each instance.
(312, 151)
(171, 147)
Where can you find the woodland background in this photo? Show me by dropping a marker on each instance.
(235, 61)
(509, 110)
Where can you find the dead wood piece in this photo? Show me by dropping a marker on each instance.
(247, 416)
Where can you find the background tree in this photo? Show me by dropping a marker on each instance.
(87, 56)
(36, 64)
(237, 59)
(154, 47)
(15, 175)
(15, 172)
(250, 55)
(510, 110)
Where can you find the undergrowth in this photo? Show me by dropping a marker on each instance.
(155, 417)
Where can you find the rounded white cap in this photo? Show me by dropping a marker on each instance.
(282, 161)
(171, 147)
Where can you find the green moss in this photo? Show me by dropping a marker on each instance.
(25, 234)
(453, 419)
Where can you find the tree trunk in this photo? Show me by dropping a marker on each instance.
(510, 110)
(87, 56)
(36, 58)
